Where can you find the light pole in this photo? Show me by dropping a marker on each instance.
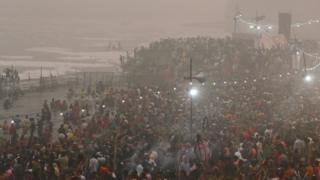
(193, 92)
(191, 99)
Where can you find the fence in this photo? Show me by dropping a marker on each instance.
(82, 79)
(48, 82)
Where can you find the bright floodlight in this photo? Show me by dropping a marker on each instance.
(258, 27)
(270, 27)
(308, 78)
(251, 26)
(193, 92)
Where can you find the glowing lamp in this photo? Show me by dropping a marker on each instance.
(308, 78)
(193, 92)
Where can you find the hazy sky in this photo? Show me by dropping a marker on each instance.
(149, 9)
(153, 15)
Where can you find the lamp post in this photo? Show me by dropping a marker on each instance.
(193, 92)
(191, 100)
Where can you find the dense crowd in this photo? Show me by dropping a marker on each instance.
(167, 60)
(246, 130)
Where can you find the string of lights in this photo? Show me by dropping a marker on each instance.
(245, 81)
(280, 76)
(316, 57)
(269, 27)
(311, 21)
(253, 25)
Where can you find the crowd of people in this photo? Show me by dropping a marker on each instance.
(219, 59)
(252, 129)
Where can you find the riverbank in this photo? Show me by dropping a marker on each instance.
(31, 102)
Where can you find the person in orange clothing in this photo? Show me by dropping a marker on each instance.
(253, 153)
(104, 171)
(288, 173)
(309, 172)
(316, 169)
